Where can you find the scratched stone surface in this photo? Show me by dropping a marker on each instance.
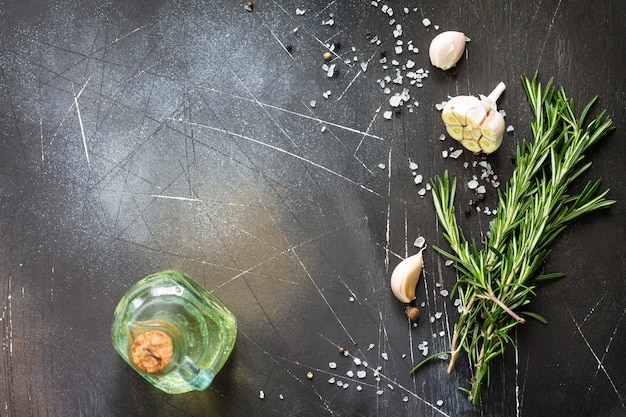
(138, 136)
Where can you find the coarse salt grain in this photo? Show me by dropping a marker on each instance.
(426, 22)
(361, 374)
(332, 365)
(418, 179)
(387, 115)
(419, 242)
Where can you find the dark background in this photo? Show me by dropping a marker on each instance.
(137, 136)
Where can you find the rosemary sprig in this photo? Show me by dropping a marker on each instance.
(498, 279)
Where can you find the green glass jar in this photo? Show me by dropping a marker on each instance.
(173, 332)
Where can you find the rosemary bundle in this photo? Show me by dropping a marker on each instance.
(496, 281)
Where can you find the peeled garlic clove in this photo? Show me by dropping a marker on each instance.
(405, 276)
(492, 132)
(446, 49)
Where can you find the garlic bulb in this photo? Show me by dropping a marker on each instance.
(405, 276)
(476, 123)
(446, 49)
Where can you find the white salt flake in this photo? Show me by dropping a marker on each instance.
(426, 22)
(442, 137)
(381, 166)
(413, 166)
(472, 184)
(359, 388)
(357, 361)
(448, 262)
(379, 392)
(261, 394)
(419, 242)
(456, 154)
(422, 192)
(300, 12)
(481, 189)
(364, 66)
(332, 365)
(350, 374)
(444, 293)
(361, 374)
(384, 356)
(510, 128)
(439, 403)
(405, 399)
(418, 179)
(387, 115)
(371, 346)
(312, 103)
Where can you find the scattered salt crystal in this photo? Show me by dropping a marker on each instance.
(312, 103)
(510, 128)
(323, 129)
(381, 166)
(432, 319)
(438, 315)
(281, 396)
(326, 94)
(422, 191)
(456, 154)
(261, 394)
(398, 49)
(387, 115)
(442, 137)
(359, 388)
(413, 166)
(300, 12)
(361, 374)
(331, 380)
(444, 153)
(384, 356)
(390, 387)
(439, 106)
(457, 302)
(448, 262)
(331, 71)
(350, 374)
(418, 179)
(364, 66)
(436, 27)
(442, 333)
(419, 242)
(351, 299)
(444, 293)
(371, 346)
(426, 22)
(410, 64)
(481, 190)
(379, 392)
(340, 383)
(357, 361)
(395, 100)
(439, 403)
(332, 365)
(472, 184)
(405, 399)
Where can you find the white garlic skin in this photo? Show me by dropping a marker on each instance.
(405, 276)
(447, 48)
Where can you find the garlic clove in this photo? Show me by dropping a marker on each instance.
(446, 49)
(405, 276)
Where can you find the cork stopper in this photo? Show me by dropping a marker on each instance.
(152, 351)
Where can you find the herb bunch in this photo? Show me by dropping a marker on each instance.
(496, 281)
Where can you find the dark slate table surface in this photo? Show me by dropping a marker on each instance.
(143, 135)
